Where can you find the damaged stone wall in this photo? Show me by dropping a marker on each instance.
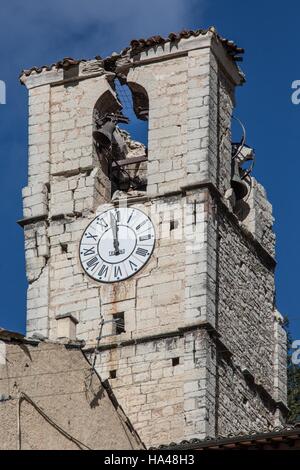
(246, 302)
(242, 400)
(57, 380)
(280, 360)
(182, 129)
(196, 297)
(247, 321)
(241, 405)
(225, 110)
(162, 385)
(166, 84)
(37, 268)
(131, 179)
(64, 181)
(151, 300)
(257, 217)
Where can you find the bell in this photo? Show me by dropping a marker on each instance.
(239, 186)
(103, 136)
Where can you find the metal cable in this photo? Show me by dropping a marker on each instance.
(98, 341)
(24, 397)
(243, 139)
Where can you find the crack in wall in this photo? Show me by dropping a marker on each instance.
(36, 278)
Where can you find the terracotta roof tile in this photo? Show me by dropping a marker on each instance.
(280, 431)
(139, 45)
(61, 64)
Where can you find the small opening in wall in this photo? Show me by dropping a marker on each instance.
(195, 213)
(175, 361)
(119, 323)
(245, 401)
(173, 224)
(64, 247)
(112, 374)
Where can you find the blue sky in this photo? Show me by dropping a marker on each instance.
(37, 33)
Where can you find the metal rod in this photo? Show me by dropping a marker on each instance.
(130, 161)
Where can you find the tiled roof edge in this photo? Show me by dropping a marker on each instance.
(220, 440)
(139, 45)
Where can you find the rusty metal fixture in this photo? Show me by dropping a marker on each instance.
(241, 153)
(130, 161)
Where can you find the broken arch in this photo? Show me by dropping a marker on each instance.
(120, 133)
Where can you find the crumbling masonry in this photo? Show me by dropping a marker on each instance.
(203, 351)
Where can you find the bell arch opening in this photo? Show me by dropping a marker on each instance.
(120, 134)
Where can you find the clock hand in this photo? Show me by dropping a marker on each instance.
(116, 241)
(115, 233)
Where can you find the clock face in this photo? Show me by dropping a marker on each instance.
(117, 244)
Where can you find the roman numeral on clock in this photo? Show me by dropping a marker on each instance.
(116, 244)
(118, 271)
(89, 251)
(133, 265)
(102, 223)
(141, 224)
(145, 237)
(141, 252)
(130, 217)
(90, 235)
(92, 263)
(103, 271)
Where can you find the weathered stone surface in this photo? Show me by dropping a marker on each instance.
(200, 315)
(59, 383)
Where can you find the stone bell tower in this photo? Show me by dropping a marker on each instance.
(192, 343)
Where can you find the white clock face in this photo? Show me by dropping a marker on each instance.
(117, 244)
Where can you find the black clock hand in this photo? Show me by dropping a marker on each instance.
(115, 233)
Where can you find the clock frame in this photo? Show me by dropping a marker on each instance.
(116, 244)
